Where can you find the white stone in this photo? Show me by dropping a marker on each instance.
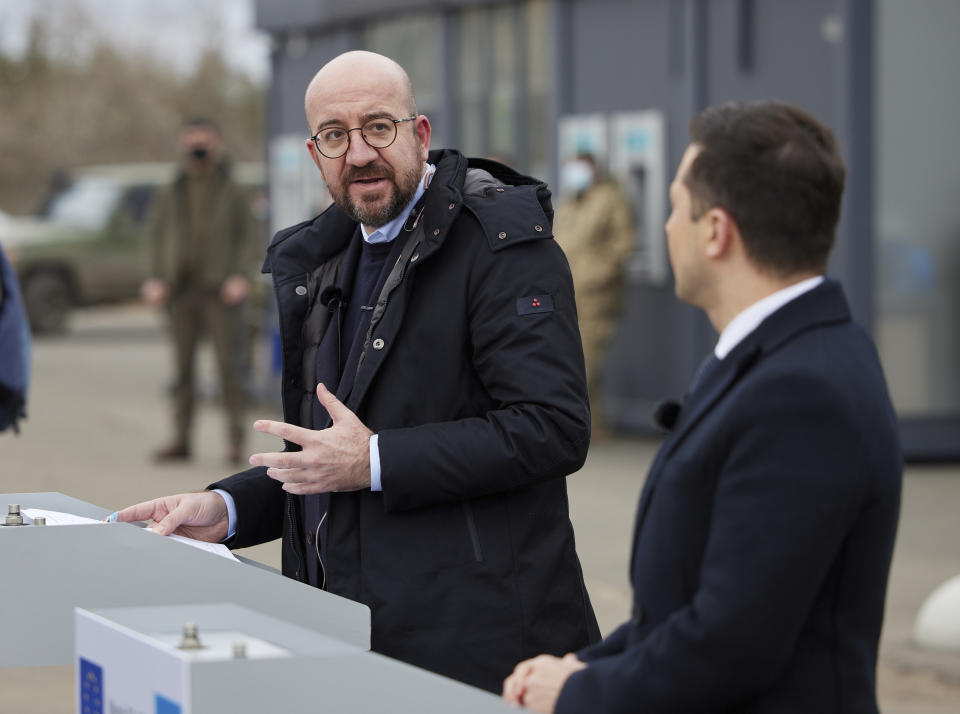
(938, 620)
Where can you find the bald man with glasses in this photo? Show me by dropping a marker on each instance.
(434, 395)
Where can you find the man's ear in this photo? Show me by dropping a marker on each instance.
(423, 130)
(723, 233)
(312, 150)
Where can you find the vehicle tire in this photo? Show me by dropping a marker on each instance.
(47, 298)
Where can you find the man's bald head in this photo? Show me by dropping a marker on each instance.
(360, 74)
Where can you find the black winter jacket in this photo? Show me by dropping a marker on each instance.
(472, 375)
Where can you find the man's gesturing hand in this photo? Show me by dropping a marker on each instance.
(202, 516)
(334, 459)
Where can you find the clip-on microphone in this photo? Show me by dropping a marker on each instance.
(332, 298)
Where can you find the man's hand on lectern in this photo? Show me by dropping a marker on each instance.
(201, 516)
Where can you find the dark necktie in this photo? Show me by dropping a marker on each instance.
(666, 413)
(704, 372)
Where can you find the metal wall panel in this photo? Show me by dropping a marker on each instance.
(279, 16)
(682, 55)
(788, 54)
(619, 55)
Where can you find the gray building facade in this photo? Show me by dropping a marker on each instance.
(516, 80)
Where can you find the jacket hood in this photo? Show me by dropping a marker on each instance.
(486, 173)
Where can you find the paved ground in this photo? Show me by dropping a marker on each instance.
(98, 409)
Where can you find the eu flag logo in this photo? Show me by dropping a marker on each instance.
(162, 705)
(91, 688)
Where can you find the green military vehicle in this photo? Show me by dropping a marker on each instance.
(88, 246)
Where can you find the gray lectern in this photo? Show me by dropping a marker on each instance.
(58, 568)
(124, 587)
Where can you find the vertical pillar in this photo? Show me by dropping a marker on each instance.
(561, 96)
(853, 257)
(449, 78)
(694, 336)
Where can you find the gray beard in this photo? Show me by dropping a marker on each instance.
(404, 191)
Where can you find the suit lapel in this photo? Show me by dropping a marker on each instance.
(823, 305)
(698, 403)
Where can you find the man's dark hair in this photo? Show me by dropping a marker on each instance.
(777, 172)
(202, 123)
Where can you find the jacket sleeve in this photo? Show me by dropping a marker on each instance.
(155, 231)
(527, 353)
(612, 644)
(259, 500)
(789, 491)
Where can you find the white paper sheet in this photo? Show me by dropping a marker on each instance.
(58, 518)
(215, 548)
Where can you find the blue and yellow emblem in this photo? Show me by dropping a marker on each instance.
(91, 687)
(162, 705)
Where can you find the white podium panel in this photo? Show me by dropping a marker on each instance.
(129, 659)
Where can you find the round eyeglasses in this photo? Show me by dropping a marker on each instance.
(379, 133)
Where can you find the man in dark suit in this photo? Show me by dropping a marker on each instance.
(766, 525)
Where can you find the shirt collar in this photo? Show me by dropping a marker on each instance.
(389, 231)
(749, 320)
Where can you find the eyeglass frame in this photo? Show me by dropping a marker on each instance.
(396, 132)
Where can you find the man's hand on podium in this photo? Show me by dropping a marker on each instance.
(201, 516)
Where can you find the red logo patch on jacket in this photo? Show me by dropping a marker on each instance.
(534, 304)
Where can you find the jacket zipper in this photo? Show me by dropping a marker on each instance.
(316, 545)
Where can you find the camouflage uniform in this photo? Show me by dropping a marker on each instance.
(201, 232)
(596, 231)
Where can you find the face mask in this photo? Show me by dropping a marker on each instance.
(199, 153)
(576, 177)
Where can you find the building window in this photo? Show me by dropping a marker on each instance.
(504, 78)
(414, 42)
(473, 35)
(504, 83)
(917, 214)
(539, 120)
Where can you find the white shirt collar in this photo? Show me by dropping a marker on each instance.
(748, 320)
(386, 233)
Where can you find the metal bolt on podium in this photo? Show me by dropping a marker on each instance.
(239, 650)
(190, 640)
(40, 521)
(13, 515)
